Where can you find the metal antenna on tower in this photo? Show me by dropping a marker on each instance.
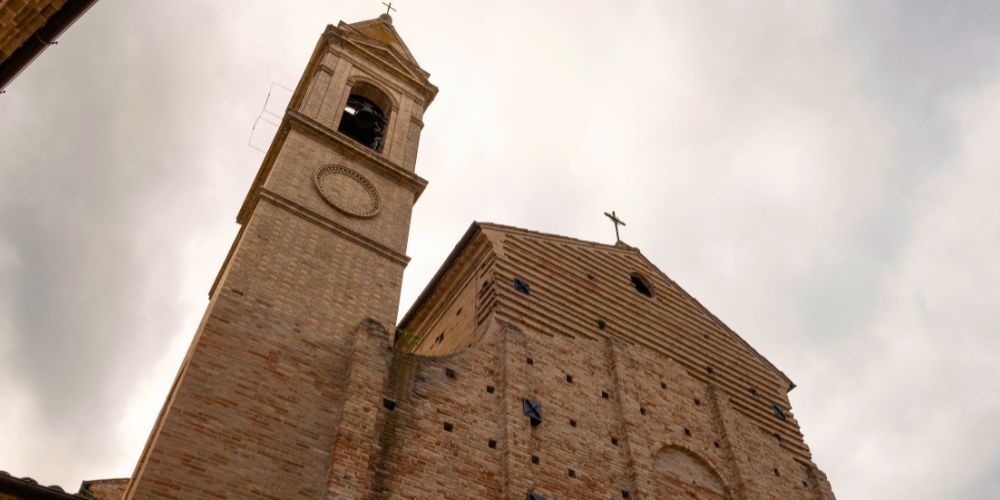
(265, 114)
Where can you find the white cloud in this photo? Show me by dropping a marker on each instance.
(926, 396)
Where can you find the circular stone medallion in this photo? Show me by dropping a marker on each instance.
(348, 191)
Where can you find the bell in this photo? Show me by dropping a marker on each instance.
(366, 118)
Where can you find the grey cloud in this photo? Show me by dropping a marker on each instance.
(813, 173)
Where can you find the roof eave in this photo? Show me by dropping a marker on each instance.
(42, 38)
(469, 235)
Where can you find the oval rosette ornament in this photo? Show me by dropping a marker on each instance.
(348, 191)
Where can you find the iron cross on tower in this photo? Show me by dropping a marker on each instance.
(618, 222)
(388, 7)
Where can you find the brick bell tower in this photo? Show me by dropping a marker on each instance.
(254, 409)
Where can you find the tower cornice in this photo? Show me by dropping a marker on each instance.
(333, 226)
(398, 65)
(294, 120)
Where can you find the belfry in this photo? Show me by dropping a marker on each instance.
(263, 404)
(532, 366)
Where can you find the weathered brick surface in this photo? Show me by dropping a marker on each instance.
(643, 439)
(583, 290)
(254, 408)
(672, 413)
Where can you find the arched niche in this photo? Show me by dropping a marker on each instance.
(680, 474)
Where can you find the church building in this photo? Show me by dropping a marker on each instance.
(532, 366)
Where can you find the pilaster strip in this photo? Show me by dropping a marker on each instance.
(517, 480)
(739, 474)
(627, 425)
(356, 442)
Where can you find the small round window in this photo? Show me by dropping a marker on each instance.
(642, 285)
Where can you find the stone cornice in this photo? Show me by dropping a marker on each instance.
(426, 89)
(377, 162)
(333, 226)
(396, 79)
(302, 123)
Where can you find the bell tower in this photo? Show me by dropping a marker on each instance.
(321, 248)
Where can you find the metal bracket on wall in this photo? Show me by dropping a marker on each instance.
(533, 410)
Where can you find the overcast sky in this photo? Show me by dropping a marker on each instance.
(821, 175)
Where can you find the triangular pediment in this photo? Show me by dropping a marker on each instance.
(389, 57)
(379, 38)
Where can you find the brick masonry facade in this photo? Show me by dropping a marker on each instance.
(296, 384)
(622, 415)
(618, 420)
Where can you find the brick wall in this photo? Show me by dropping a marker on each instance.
(583, 290)
(254, 407)
(679, 427)
(617, 419)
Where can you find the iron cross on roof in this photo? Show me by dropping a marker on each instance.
(618, 222)
(388, 7)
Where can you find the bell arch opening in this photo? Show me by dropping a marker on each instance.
(366, 116)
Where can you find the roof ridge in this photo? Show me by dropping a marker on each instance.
(568, 239)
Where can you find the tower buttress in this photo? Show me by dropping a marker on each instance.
(320, 249)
